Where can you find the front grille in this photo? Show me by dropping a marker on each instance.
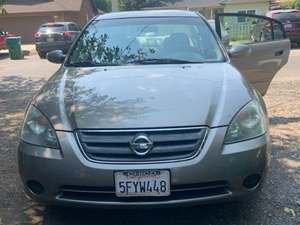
(178, 192)
(168, 144)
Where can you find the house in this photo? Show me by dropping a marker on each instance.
(209, 8)
(258, 7)
(25, 16)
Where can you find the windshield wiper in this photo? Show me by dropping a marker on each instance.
(82, 64)
(161, 61)
(90, 64)
(139, 61)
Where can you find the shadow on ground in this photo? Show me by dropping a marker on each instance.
(15, 93)
(230, 213)
(279, 120)
(4, 55)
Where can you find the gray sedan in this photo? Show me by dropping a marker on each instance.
(150, 109)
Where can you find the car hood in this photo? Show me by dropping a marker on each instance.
(150, 96)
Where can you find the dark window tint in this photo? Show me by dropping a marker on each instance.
(49, 28)
(73, 27)
(284, 16)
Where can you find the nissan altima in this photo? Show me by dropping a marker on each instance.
(150, 109)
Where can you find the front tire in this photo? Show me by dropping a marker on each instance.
(42, 55)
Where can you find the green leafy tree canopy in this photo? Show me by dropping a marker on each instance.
(103, 5)
(2, 9)
(291, 4)
(140, 4)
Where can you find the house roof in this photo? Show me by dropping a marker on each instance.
(37, 6)
(148, 13)
(197, 3)
(244, 1)
(207, 3)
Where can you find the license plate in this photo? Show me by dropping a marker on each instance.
(154, 183)
(288, 26)
(50, 39)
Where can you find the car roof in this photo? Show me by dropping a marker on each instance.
(148, 13)
(57, 23)
(283, 11)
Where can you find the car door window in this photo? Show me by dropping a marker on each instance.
(278, 30)
(266, 41)
(247, 29)
(73, 27)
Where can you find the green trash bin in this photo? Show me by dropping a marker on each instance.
(14, 47)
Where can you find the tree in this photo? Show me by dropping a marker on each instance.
(140, 4)
(2, 9)
(104, 5)
(296, 4)
(291, 4)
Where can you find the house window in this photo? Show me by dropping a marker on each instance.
(249, 12)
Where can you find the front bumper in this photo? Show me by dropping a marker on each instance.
(216, 174)
(50, 46)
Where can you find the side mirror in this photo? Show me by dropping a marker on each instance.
(239, 50)
(56, 56)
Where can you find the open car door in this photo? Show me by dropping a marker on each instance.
(258, 46)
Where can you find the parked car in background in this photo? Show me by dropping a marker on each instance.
(291, 21)
(55, 36)
(3, 36)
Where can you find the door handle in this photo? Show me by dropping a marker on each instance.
(279, 53)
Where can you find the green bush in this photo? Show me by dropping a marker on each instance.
(140, 4)
(103, 5)
(291, 4)
(2, 9)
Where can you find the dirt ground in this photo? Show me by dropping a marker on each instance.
(279, 203)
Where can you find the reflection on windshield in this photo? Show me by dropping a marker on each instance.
(145, 41)
(94, 50)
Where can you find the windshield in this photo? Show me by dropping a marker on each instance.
(146, 41)
(292, 16)
(52, 28)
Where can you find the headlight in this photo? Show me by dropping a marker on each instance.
(249, 123)
(37, 130)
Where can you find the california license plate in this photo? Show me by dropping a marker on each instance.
(142, 183)
(288, 25)
(50, 39)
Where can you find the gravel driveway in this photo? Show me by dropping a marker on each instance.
(279, 203)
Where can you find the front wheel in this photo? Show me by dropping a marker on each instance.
(42, 55)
